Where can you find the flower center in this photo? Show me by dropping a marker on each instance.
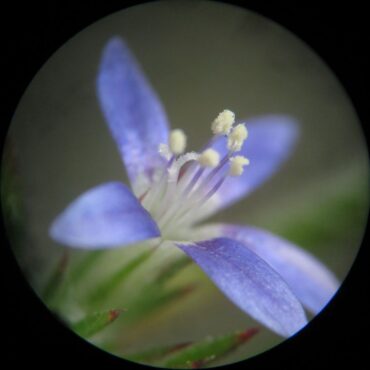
(188, 182)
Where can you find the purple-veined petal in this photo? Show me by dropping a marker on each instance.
(132, 110)
(309, 279)
(106, 216)
(270, 140)
(249, 282)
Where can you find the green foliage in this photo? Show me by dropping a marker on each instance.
(146, 288)
(107, 287)
(332, 217)
(85, 265)
(338, 218)
(197, 354)
(171, 269)
(53, 286)
(157, 294)
(156, 354)
(154, 297)
(94, 323)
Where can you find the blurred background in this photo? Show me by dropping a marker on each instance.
(200, 57)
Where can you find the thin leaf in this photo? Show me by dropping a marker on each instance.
(337, 220)
(330, 221)
(172, 269)
(156, 353)
(107, 287)
(202, 353)
(85, 265)
(95, 322)
(55, 281)
(155, 297)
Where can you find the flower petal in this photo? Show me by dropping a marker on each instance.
(308, 278)
(249, 282)
(106, 216)
(133, 111)
(270, 141)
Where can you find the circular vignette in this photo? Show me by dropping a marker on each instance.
(259, 220)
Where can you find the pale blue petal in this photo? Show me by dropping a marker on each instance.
(106, 216)
(310, 280)
(132, 110)
(250, 283)
(270, 141)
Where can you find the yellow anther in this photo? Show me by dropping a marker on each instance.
(177, 141)
(223, 122)
(236, 165)
(237, 137)
(209, 158)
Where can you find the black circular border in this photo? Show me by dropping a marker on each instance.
(32, 335)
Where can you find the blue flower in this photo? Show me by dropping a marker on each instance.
(172, 191)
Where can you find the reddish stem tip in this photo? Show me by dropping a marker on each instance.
(247, 334)
(113, 314)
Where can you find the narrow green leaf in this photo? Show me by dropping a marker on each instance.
(85, 265)
(201, 353)
(167, 272)
(95, 322)
(107, 287)
(336, 220)
(329, 222)
(173, 295)
(156, 353)
(55, 281)
(155, 297)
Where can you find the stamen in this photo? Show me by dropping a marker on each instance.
(197, 199)
(187, 181)
(237, 137)
(236, 165)
(158, 187)
(209, 158)
(167, 201)
(177, 141)
(200, 194)
(214, 189)
(155, 191)
(218, 168)
(223, 123)
(193, 181)
(174, 170)
(200, 197)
